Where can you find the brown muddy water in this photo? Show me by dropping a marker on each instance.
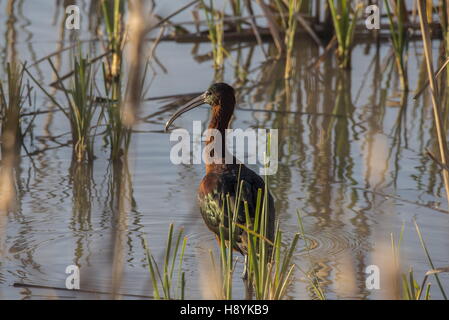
(351, 159)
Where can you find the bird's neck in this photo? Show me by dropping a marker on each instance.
(220, 119)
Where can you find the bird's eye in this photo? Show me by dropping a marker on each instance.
(208, 93)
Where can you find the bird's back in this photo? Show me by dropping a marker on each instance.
(220, 187)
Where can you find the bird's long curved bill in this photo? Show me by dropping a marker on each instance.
(188, 106)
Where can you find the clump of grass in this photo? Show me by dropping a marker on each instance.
(82, 109)
(81, 106)
(162, 277)
(398, 34)
(344, 19)
(117, 134)
(270, 274)
(268, 267)
(434, 271)
(411, 288)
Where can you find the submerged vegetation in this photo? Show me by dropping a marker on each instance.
(106, 107)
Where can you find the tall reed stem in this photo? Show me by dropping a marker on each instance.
(434, 91)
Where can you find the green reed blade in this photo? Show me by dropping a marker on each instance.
(429, 259)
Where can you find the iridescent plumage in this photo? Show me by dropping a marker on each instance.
(221, 183)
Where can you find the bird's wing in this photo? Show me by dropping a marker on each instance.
(218, 202)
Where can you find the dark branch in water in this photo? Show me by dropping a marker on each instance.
(35, 286)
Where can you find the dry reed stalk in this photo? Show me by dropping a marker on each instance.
(254, 27)
(345, 279)
(307, 27)
(273, 26)
(7, 197)
(11, 101)
(7, 185)
(210, 278)
(139, 24)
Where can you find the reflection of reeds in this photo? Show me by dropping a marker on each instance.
(81, 179)
(312, 276)
(122, 202)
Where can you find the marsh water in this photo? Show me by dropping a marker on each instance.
(351, 160)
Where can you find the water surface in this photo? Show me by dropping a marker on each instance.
(351, 160)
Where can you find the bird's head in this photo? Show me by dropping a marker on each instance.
(219, 95)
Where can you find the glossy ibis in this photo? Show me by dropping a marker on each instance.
(222, 179)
